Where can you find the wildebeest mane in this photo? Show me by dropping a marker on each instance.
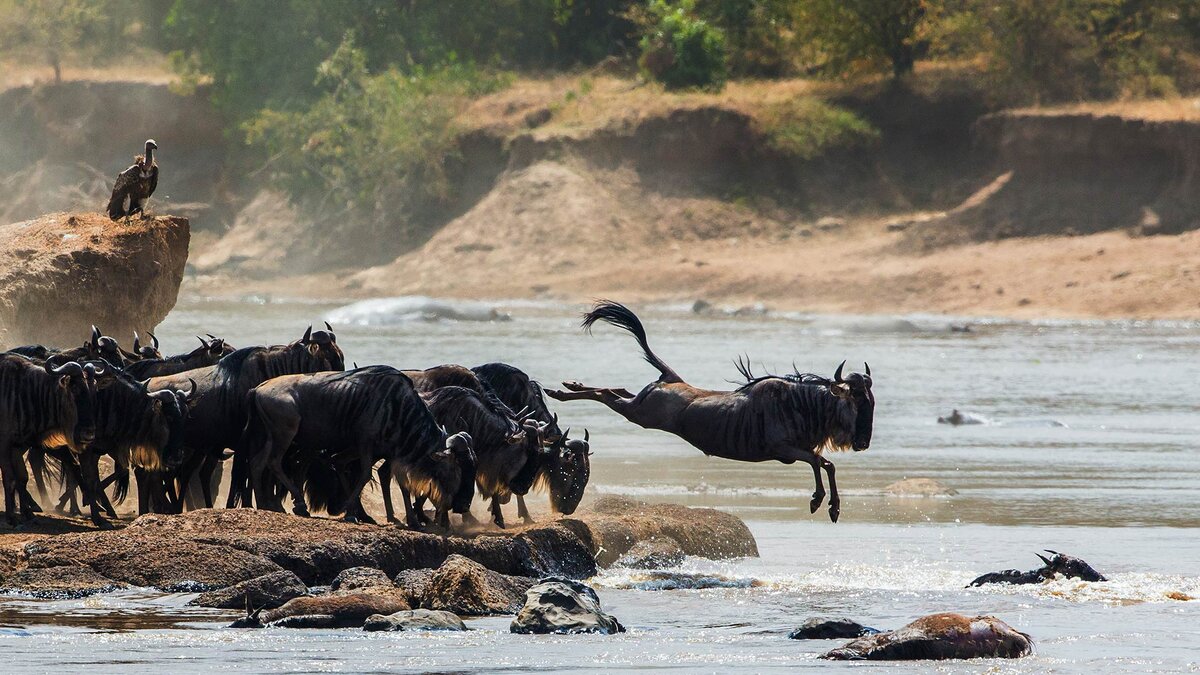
(795, 377)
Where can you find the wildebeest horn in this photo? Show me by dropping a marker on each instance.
(566, 433)
(328, 327)
(307, 335)
(355, 364)
(191, 392)
(95, 333)
(837, 375)
(68, 368)
(153, 339)
(586, 437)
(1044, 558)
(202, 341)
(95, 371)
(136, 342)
(1051, 552)
(867, 366)
(211, 336)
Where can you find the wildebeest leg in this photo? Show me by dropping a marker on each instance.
(89, 470)
(299, 505)
(355, 492)
(419, 508)
(28, 505)
(142, 478)
(835, 503)
(410, 513)
(819, 493)
(208, 466)
(497, 512)
(522, 510)
(385, 489)
(8, 475)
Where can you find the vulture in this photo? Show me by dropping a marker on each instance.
(135, 185)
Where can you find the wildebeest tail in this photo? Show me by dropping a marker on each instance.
(121, 491)
(622, 317)
(254, 438)
(43, 471)
(323, 489)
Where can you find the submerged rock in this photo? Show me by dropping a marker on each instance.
(347, 610)
(556, 605)
(825, 628)
(919, 487)
(655, 553)
(939, 636)
(467, 588)
(957, 418)
(60, 582)
(266, 592)
(63, 272)
(415, 619)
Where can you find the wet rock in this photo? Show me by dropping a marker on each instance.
(556, 605)
(60, 582)
(1061, 564)
(554, 550)
(360, 577)
(830, 223)
(957, 418)
(654, 553)
(415, 619)
(415, 584)
(939, 636)
(615, 524)
(326, 611)
(467, 588)
(825, 628)
(267, 592)
(62, 272)
(702, 307)
(918, 487)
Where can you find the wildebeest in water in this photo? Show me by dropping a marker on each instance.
(782, 418)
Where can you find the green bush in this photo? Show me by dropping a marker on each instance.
(681, 50)
(807, 127)
(372, 146)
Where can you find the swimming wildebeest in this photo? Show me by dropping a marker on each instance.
(781, 418)
(133, 425)
(218, 412)
(358, 418)
(564, 465)
(40, 406)
(1066, 565)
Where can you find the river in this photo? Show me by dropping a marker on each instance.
(1091, 450)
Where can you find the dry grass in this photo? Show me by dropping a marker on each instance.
(1179, 109)
(16, 72)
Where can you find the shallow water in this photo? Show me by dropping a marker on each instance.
(1117, 486)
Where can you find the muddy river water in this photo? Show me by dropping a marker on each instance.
(1092, 449)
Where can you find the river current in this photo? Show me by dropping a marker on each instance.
(1090, 449)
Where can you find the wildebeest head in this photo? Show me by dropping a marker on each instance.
(77, 387)
(1068, 566)
(322, 345)
(459, 459)
(567, 467)
(171, 408)
(149, 351)
(855, 389)
(105, 348)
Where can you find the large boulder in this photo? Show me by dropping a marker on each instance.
(415, 619)
(63, 272)
(614, 525)
(354, 578)
(825, 628)
(556, 605)
(267, 592)
(652, 554)
(415, 584)
(467, 588)
(60, 582)
(939, 636)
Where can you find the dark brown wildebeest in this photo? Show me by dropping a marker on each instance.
(356, 418)
(149, 351)
(218, 412)
(40, 406)
(98, 347)
(207, 354)
(780, 418)
(564, 465)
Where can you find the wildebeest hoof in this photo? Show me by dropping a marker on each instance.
(102, 524)
(834, 512)
(301, 511)
(816, 502)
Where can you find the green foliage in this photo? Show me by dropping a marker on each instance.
(847, 35)
(680, 49)
(92, 31)
(369, 145)
(807, 127)
(757, 32)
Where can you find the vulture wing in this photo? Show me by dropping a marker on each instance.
(123, 191)
(153, 179)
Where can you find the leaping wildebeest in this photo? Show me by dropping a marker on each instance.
(787, 418)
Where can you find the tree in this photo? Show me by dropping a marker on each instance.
(89, 29)
(843, 33)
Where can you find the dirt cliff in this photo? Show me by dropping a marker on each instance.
(63, 272)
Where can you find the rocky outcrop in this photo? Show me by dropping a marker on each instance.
(62, 272)
(652, 554)
(937, 637)
(360, 577)
(266, 592)
(557, 605)
(465, 587)
(614, 525)
(825, 628)
(415, 619)
(60, 582)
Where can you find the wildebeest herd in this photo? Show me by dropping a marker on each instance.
(292, 422)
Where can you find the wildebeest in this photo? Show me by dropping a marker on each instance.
(564, 465)
(781, 418)
(133, 425)
(218, 412)
(357, 418)
(1061, 564)
(40, 406)
(98, 347)
(207, 354)
(149, 351)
